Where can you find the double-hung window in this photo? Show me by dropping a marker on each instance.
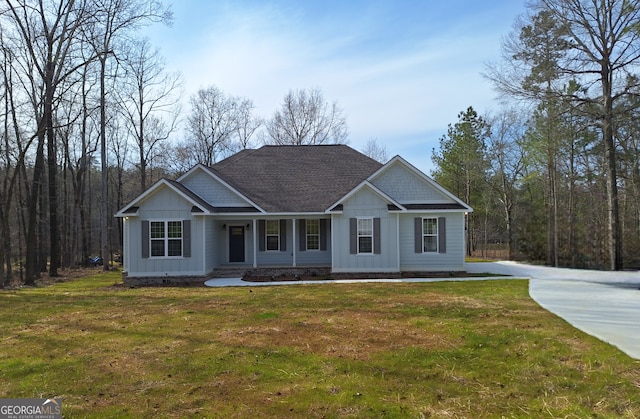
(166, 238)
(365, 235)
(313, 234)
(430, 235)
(272, 231)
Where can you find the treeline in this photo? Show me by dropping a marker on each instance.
(67, 81)
(89, 118)
(87, 111)
(556, 178)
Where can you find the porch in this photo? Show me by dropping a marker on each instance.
(274, 243)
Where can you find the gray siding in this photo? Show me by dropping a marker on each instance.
(212, 191)
(281, 257)
(222, 242)
(406, 187)
(365, 203)
(452, 260)
(164, 205)
(314, 257)
(211, 249)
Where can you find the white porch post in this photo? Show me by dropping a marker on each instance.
(255, 243)
(398, 239)
(293, 221)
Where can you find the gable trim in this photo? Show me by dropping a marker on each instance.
(424, 177)
(128, 210)
(211, 173)
(366, 184)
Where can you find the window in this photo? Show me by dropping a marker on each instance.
(313, 234)
(272, 232)
(166, 238)
(430, 235)
(365, 235)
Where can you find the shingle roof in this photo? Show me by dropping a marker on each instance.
(296, 178)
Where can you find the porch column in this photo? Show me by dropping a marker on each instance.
(293, 221)
(255, 243)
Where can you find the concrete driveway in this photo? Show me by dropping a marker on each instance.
(603, 304)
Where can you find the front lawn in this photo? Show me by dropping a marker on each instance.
(450, 349)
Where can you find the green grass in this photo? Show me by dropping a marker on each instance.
(450, 349)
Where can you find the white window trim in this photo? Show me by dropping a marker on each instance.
(266, 235)
(166, 239)
(436, 235)
(312, 234)
(358, 235)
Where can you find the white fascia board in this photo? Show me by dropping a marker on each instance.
(189, 172)
(225, 184)
(156, 186)
(439, 211)
(415, 170)
(365, 184)
(289, 214)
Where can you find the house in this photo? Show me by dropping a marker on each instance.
(325, 206)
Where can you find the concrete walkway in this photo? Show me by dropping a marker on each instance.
(603, 304)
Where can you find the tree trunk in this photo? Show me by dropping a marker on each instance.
(104, 216)
(31, 262)
(52, 166)
(614, 230)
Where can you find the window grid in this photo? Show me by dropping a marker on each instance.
(166, 238)
(365, 235)
(272, 232)
(313, 234)
(430, 235)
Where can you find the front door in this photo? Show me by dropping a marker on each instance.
(236, 243)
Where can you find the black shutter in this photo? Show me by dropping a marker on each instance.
(283, 235)
(302, 234)
(261, 236)
(376, 236)
(442, 235)
(419, 244)
(324, 232)
(186, 238)
(353, 236)
(145, 238)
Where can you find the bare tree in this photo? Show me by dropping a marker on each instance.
(505, 150)
(149, 102)
(376, 150)
(248, 124)
(48, 36)
(306, 118)
(217, 126)
(113, 19)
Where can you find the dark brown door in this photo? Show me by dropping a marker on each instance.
(236, 244)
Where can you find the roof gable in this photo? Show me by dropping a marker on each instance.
(366, 185)
(208, 185)
(413, 189)
(200, 205)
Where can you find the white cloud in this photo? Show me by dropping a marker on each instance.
(390, 89)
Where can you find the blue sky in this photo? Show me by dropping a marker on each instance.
(401, 70)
